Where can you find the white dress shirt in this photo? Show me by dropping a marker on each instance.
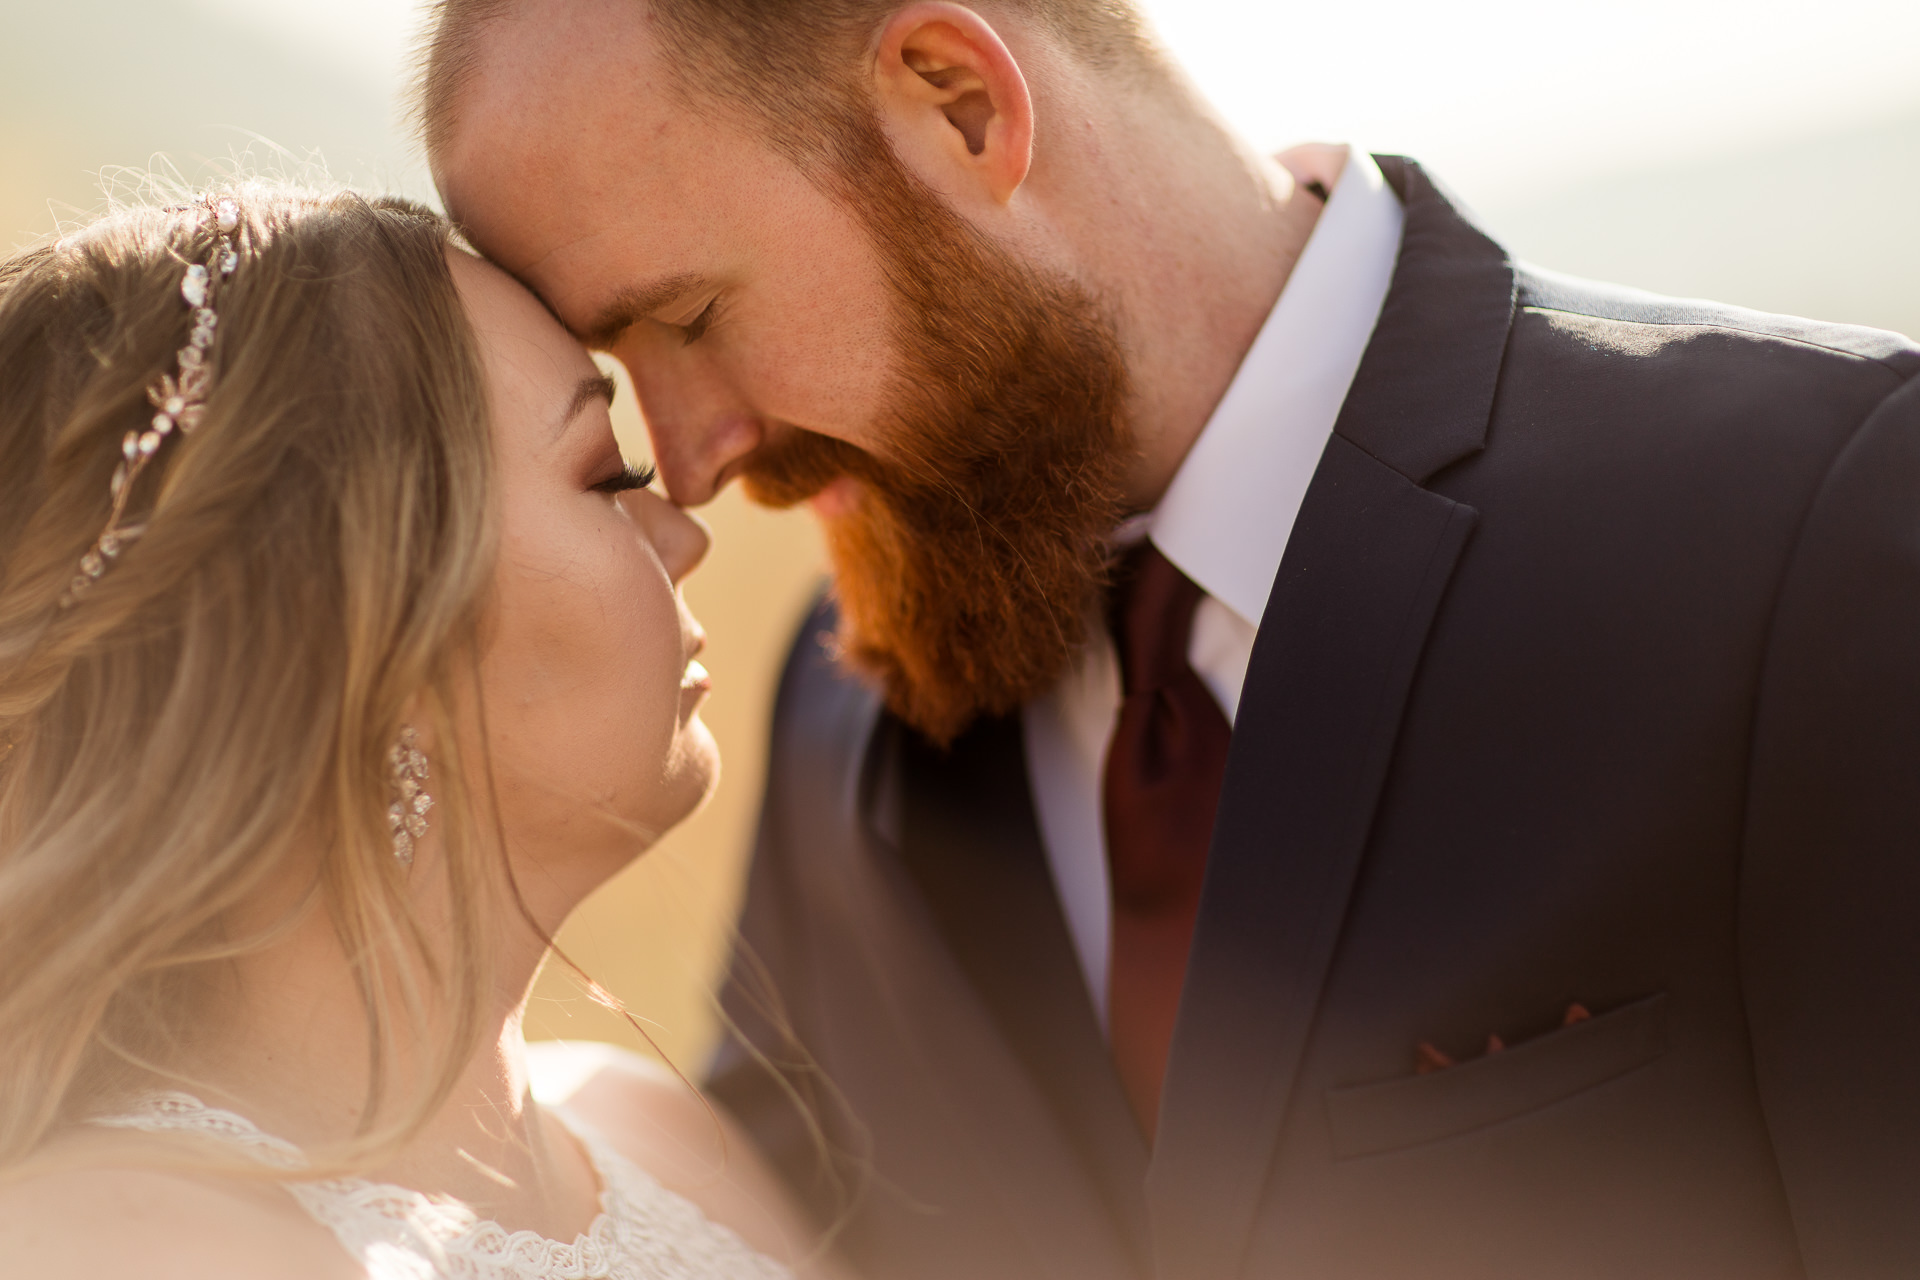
(1224, 521)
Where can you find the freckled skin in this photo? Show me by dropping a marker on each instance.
(800, 335)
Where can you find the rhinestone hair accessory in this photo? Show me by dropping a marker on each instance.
(407, 778)
(179, 398)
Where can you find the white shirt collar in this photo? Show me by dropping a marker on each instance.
(1226, 518)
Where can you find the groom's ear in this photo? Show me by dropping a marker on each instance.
(954, 99)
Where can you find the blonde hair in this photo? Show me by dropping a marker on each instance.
(315, 569)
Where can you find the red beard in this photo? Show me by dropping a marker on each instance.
(977, 548)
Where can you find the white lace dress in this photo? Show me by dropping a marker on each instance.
(643, 1231)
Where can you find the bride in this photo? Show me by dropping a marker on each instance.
(341, 656)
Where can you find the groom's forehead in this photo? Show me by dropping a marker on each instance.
(592, 180)
(557, 65)
(550, 132)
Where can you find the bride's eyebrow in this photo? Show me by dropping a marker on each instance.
(632, 305)
(585, 392)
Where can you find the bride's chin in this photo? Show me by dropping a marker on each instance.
(702, 756)
(686, 781)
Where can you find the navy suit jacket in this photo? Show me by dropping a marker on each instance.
(1591, 674)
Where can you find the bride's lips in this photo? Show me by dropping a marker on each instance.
(694, 680)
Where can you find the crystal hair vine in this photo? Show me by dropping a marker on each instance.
(178, 397)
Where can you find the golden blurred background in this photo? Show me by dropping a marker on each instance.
(1758, 153)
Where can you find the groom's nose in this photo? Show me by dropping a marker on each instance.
(701, 427)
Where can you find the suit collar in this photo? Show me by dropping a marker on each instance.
(1227, 514)
(1422, 397)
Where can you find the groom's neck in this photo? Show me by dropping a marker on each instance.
(1191, 234)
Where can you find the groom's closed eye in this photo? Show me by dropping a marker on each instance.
(694, 329)
(646, 302)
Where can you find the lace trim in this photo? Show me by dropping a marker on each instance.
(643, 1231)
(184, 1113)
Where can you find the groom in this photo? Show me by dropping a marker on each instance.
(1333, 754)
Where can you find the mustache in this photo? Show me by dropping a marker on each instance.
(795, 464)
(964, 582)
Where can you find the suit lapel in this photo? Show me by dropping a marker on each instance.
(982, 1107)
(1346, 622)
(970, 840)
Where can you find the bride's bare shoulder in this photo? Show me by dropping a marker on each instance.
(663, 1124)
(74, 1214)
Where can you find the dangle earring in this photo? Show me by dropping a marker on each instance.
(407, 778)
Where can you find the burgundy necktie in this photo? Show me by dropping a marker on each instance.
(1163, 774)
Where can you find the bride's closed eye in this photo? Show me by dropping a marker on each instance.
(627, 478)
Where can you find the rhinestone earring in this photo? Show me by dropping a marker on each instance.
(407, 778)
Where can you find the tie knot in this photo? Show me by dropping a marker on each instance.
(1152, 619)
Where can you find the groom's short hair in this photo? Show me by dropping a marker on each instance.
(792, 65)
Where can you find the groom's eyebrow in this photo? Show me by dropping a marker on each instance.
(630, 306)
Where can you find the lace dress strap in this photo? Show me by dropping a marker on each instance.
(183, 1113)
(643, 1231)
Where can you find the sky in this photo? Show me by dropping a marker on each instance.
(1523, 91)
(1496, 94)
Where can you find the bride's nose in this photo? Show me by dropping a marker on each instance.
(679, 538)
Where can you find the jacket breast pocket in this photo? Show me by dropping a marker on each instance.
(1372, 1118)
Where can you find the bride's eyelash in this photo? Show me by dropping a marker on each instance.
(628, 477)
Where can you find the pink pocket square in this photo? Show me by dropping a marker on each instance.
(1427, 1058)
